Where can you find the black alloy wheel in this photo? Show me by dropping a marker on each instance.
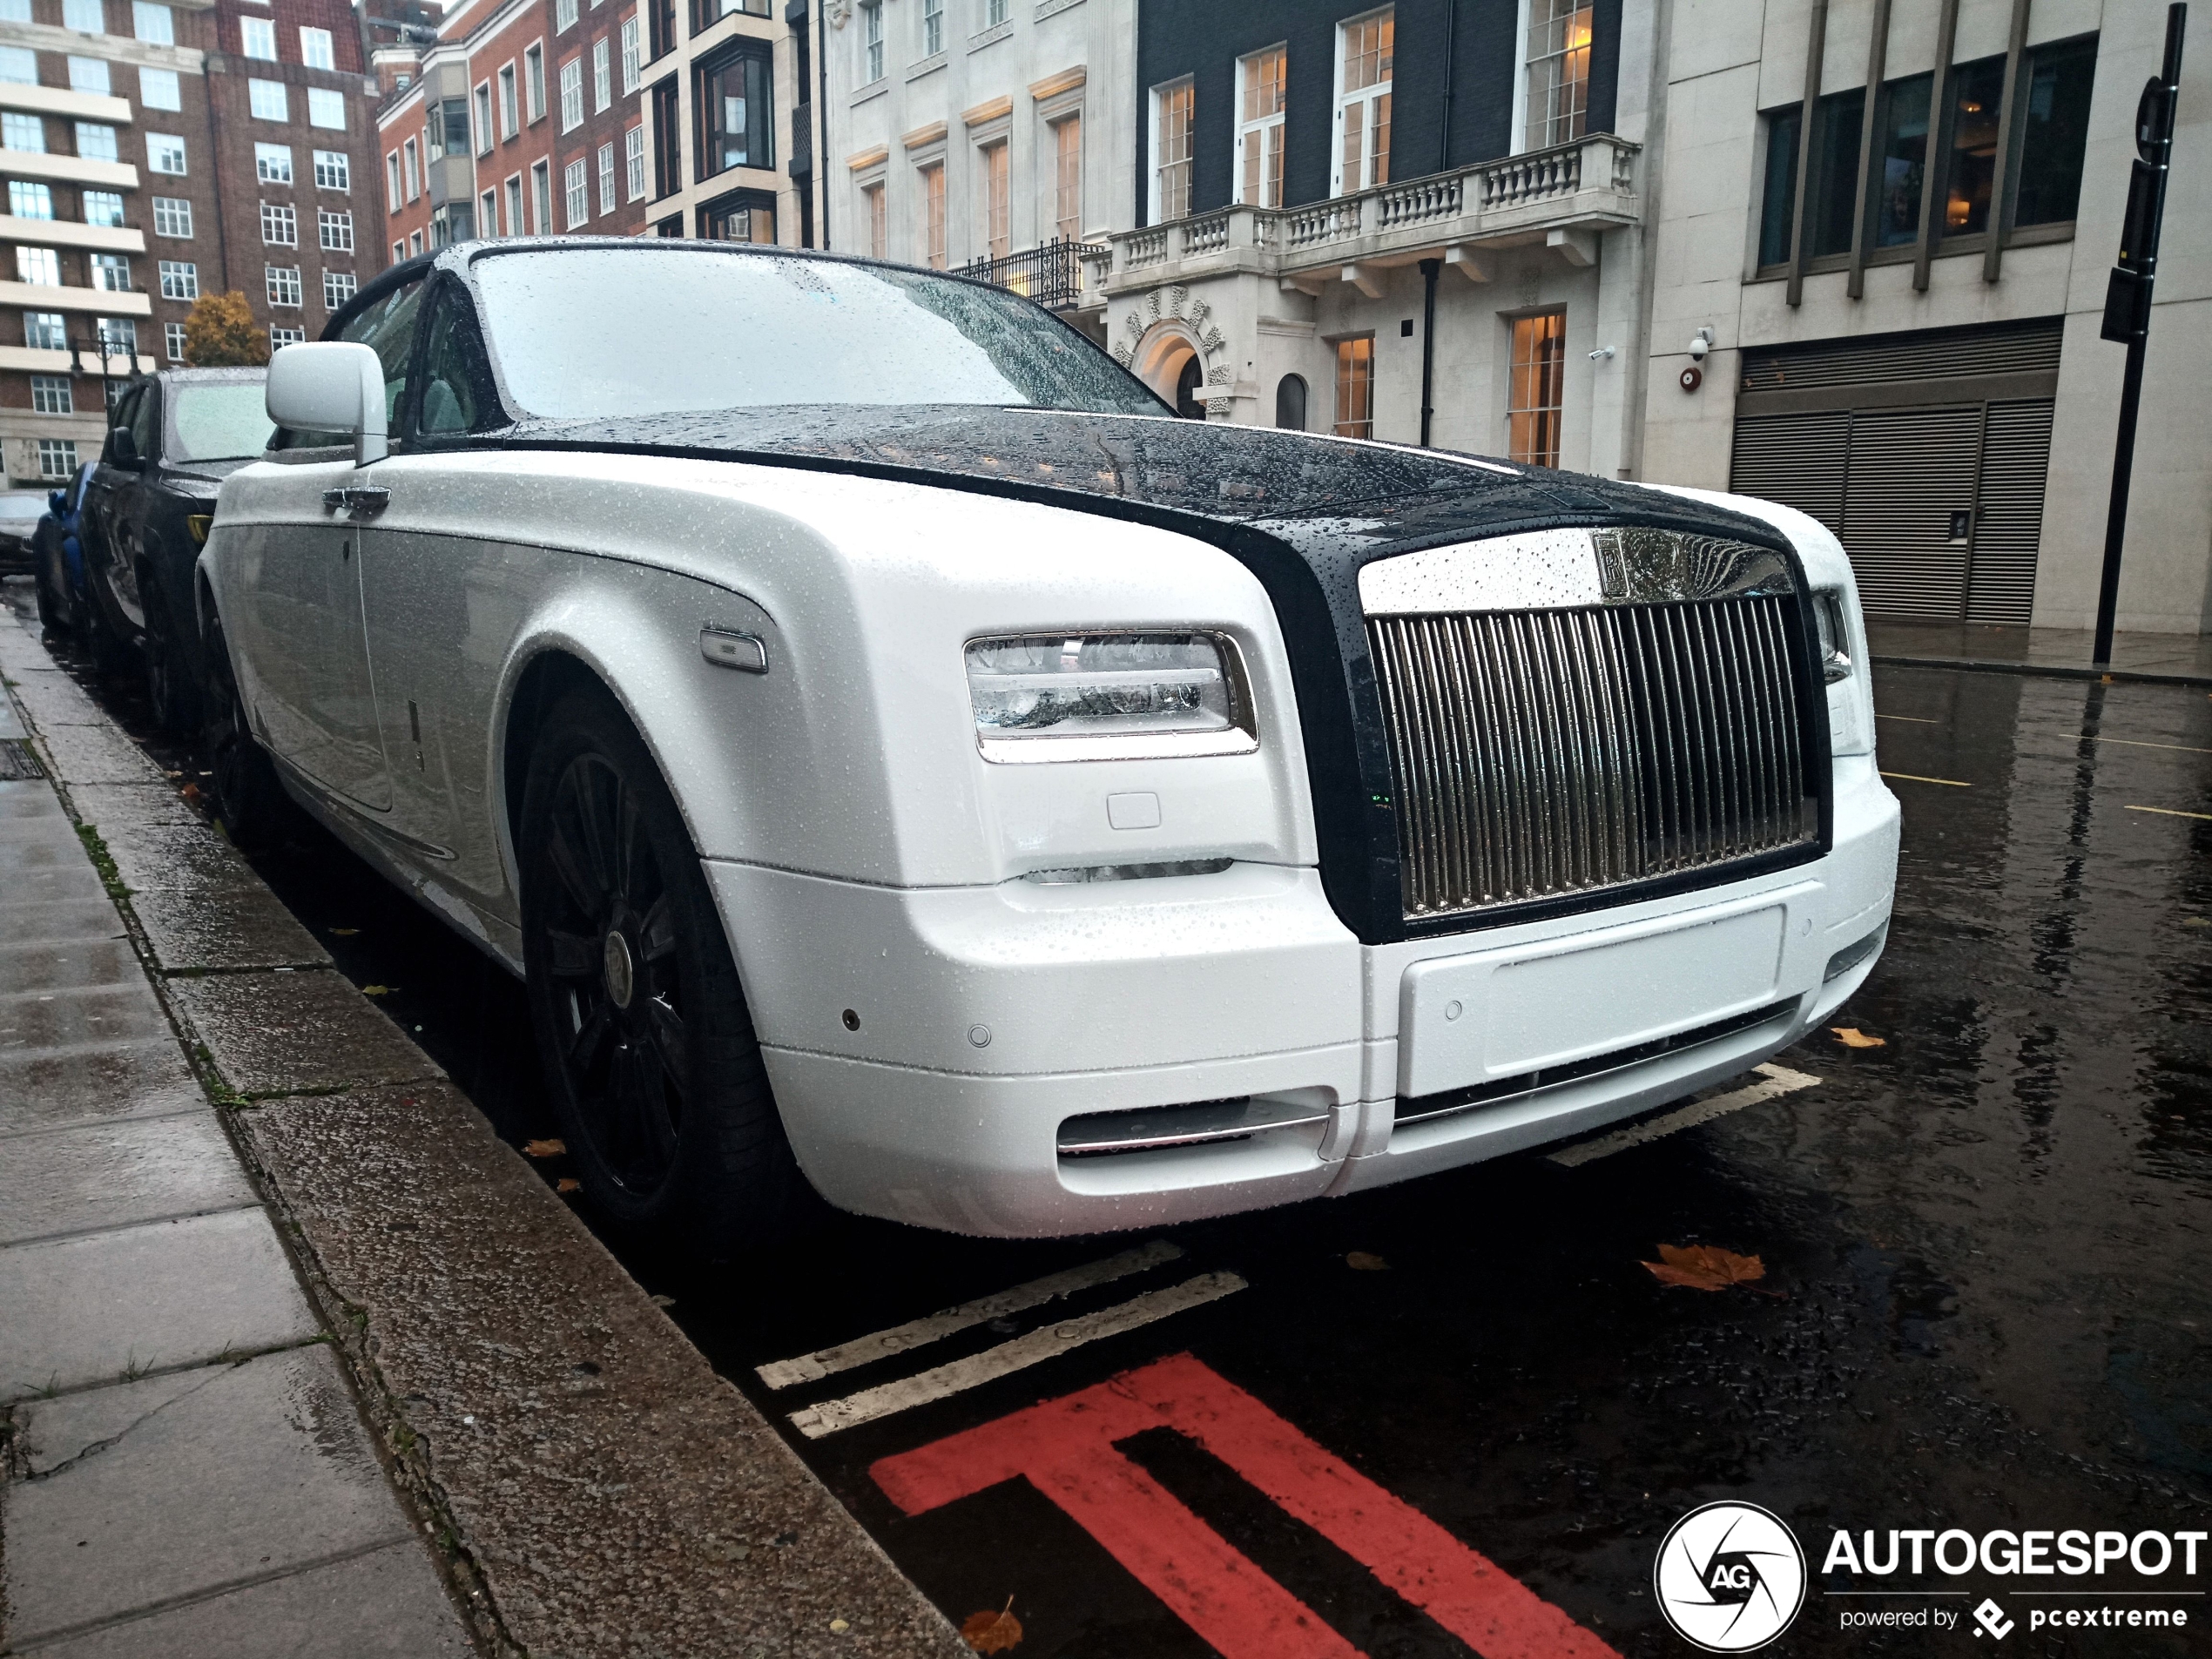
(174, 698)
(254, 809)
(642, 1025)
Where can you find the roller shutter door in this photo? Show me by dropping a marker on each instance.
(1912, 471)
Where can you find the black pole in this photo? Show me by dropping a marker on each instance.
(2127, 302)
(1429, 268)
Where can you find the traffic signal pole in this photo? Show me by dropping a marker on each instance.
(2127, 300)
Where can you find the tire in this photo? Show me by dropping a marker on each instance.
(174, 698)
(53, 615)
(255, 811)
(647, 1046)
(110, 653)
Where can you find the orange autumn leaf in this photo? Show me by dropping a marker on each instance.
(1853, 1037)
(568, 1183)
(1365, 1261)
(545, 1149)
(989, 1632)
(1703, 1267)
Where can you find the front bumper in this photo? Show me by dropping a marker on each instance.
(927, 1046)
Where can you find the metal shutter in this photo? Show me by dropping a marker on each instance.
(2008, 528)
(1929, 355)
(1910, 470)
(1798, 460)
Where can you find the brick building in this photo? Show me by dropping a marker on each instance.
(153, 153)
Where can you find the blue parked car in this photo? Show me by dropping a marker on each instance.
(57, 556)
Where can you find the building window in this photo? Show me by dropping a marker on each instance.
(1559, 73)
(1289, 403)
(747, 219)
(564, 15)
(273, 163)
(1171, 127)
(509, 122)
(1355, 388)
(394, 194)
(117, 335)
(104, 207)
(736, 113)
(44, 331)
(629, 56)
(933, 215)
(480, 102)
(40, 266)
(279, 336)
(995, 12)
(57, 459)
(2054, 122)
(996, 206)
(411, 169)
(879, 224)
(1536, 389)
(1068, 177)
(317, 49)
(23, 132)
(18, 64)
(85, 17)
(487, 212)
(88, 75)
(514, 206)
(257, 38)
(112, 272)
(1259, 128)
(577, 189)
(283, 284)
(668, 145)
(633, 154)
(266, 100)
(932, 27)
(572, 95)
(326, 108)
(603, 84)
(171, 216)
(164, 153)
(1831, 196)
(338, 287)
(179, 280)
(706, 13)
(542, 198)
(333, 171)
(534, 82)
(871, 42)
(335, 231)
(158, 89)
(27, 200)
(152, 23)
(50, 395)
(1364, 48)
(96, 142)
(398, 251)
(173, 335)
(606, 178)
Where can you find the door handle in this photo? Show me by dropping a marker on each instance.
(359, 501)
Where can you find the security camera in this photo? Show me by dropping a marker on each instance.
(1601, 353)
(1700, 343)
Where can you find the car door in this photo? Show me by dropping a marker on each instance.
(108, 578)
(306, 533)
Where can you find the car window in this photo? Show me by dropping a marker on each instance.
(145, 422)
(456, 392)
(388, 329)
(126, 406)
(219, 423)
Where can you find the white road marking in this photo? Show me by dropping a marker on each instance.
(1779, 1080)
(831, 1415)
(2168, 812)
(823, 1362)
(1915, 778)
(1917, 720)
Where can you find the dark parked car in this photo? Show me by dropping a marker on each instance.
(57, 558)
(176, 436)
(19, 515)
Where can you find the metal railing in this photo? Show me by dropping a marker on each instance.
(1051, 273)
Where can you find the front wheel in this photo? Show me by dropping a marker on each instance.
(254, 809)
(169, 689)
(641, 1023)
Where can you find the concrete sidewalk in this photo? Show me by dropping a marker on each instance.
(2171, 659)
(192, 1474)
(588, 1484)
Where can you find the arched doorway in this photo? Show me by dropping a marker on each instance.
(1167, 360)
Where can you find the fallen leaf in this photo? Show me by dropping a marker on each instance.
(989, 1632)
(568, 1183)
(189, 791)
(2196, 921)
(345, 933)
(1853, 1037)
(838, 1627)
(1703, 1267)
(544, 1148)
(663, 1301)
(378, 990)
(1366, 1262)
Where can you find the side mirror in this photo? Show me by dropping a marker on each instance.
(331, 386)
(123, 450)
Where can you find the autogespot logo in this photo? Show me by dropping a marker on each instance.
(1729, 1577)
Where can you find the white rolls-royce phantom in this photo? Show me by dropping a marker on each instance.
(903, 758)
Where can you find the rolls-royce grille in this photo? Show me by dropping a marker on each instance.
(1552, 751)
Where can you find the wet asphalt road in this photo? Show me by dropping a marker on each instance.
(1985, 1302)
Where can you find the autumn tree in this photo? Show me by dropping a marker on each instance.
(221, 333)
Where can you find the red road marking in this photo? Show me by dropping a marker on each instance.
(1065, 1448)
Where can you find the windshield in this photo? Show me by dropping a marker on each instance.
(222, 422)
(583, 332)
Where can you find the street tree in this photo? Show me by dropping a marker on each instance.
(221, 333)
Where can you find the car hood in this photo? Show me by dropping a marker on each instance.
(193, 475)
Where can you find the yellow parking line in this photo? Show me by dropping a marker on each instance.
(1915, 778)
(1917, 720)
(2168, 812)
(2138, 743)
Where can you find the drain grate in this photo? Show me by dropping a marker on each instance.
(16, 761)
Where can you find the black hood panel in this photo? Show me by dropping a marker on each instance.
(1302, 512)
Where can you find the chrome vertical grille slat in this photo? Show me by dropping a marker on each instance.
(1550, 752)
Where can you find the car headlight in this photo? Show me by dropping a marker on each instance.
(1109, 697)
(1835, 637)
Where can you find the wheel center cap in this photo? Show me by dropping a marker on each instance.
(621, 976)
